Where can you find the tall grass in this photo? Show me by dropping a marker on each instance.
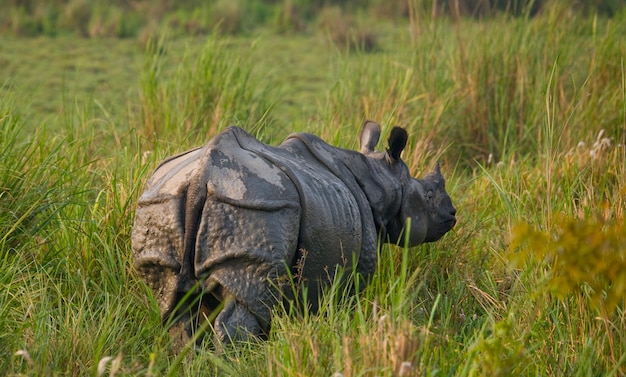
(65, 225)
(527, 114)
(206, 91)
(485, 92)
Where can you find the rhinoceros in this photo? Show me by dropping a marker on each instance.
(225, 223)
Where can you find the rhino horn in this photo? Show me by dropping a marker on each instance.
(397, 141)
(370, 133)
(437, 169)
(435, 175)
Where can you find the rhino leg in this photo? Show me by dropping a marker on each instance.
(181, 333)
(236, 323)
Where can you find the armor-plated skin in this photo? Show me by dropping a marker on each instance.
(229, 222)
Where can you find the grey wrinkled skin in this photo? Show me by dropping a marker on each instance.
(224, 225)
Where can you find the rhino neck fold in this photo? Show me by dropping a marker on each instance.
(377, 189)
(341, 163)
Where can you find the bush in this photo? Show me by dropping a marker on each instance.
(583, 255)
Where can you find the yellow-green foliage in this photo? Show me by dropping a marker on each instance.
(580, 253)
(500, 353)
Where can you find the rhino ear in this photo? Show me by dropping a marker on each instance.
(370, 133)
(397, 142)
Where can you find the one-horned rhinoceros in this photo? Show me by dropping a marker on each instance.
(226, 222)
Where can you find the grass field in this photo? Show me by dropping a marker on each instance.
(528, 117)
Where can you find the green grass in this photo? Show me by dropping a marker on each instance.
(513, 107)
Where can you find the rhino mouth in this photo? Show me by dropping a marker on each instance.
(440, 229)
(449, 223)
(445, 226)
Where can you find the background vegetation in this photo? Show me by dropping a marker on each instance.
(525, 104)
(144, 18)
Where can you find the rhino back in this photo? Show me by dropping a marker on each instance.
(238, 171)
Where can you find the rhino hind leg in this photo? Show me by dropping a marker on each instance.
(182, 332)
(236, 323)
(187, 322)
(231, 324)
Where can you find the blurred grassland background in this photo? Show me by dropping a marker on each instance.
(524, 102)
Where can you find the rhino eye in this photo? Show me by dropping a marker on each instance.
(429, 194)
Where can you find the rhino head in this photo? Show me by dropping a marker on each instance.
(420, 207)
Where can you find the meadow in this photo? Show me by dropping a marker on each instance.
(526, 114)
